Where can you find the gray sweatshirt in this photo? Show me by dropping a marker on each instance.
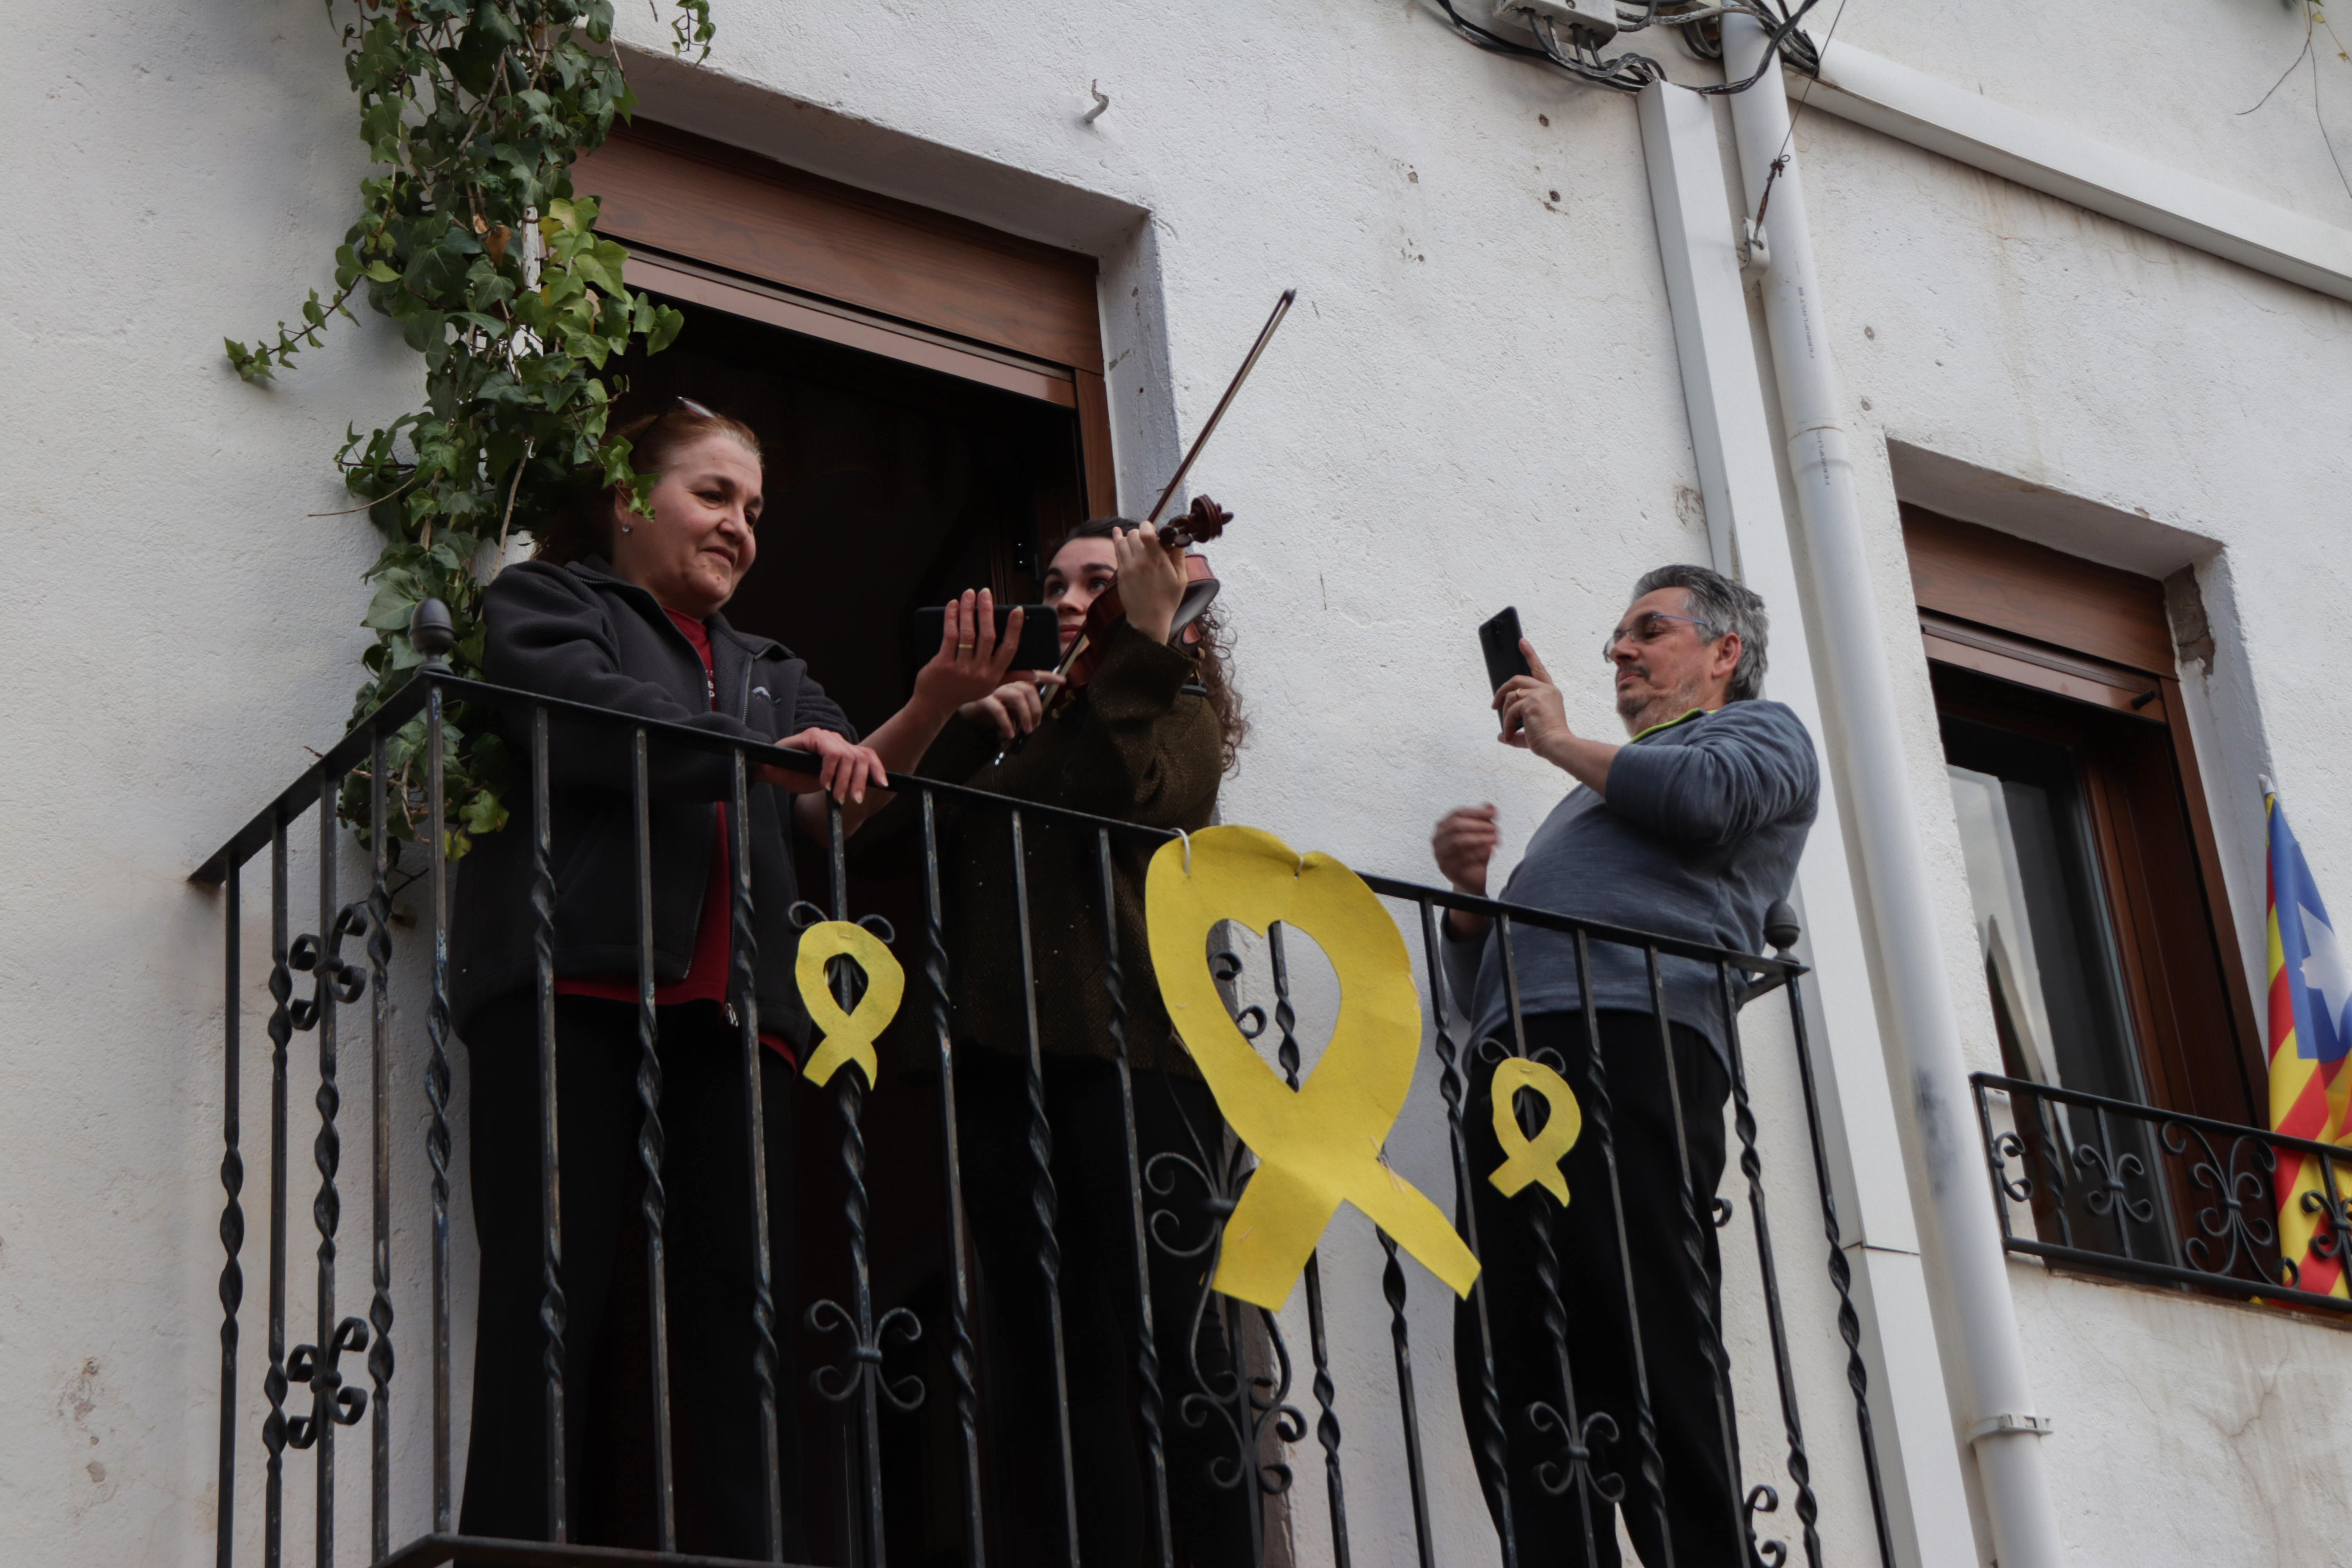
(1700, 833)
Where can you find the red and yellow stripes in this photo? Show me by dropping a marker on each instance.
(2308, 1097)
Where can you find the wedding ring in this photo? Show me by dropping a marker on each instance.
(965, 646)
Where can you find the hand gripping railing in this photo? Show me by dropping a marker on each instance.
(1209, 1378)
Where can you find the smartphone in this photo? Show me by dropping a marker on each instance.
(1500, 640)
(1041, 635)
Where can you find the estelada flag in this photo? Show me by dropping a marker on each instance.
(2310, 1036)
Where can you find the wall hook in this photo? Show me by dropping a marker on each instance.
(1102, 101)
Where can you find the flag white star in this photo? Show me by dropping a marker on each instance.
(2325, 972)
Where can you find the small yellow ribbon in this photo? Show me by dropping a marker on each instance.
(1534, 1159)
(1318, 1146)
(848, 1036)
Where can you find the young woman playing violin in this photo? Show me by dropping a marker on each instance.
(1146, 737)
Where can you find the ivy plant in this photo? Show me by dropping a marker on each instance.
(471, 237)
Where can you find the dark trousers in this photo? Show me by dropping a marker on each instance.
(1680, 1349)
(706, 1173)
(1094, 1229)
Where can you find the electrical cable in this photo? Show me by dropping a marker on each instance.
(1781, 159)
(1633, 72)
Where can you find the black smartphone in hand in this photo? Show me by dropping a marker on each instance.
(1041, 635)
(1500, 640)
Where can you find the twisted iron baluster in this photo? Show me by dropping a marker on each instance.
(437, 1094)
(962, 1359)
(1565, 1421)
(1752, 1166)
(1327, 1425)
(1408, 1407)
(232, 1220)
(1849, 1323)
(1042, 1197)
(552, 1304)
(651, 1147)
(1244, 1404)
(326, 1207)
(321, 1365)
(862, 1380)
(379, 952)
(1600, 1115)
(1487, 1445)
(1574, 1431)
(1694, 1243)
(1147, 1348)
(273, 1382)
(743, 967)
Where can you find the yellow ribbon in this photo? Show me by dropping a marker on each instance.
(1534, 1159)
(1321, 1145)
(848, 1036)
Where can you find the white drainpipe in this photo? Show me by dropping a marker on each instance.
(1959, 1236)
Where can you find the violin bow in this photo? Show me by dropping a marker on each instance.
(1265, 336)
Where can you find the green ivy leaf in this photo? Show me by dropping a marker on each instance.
(472, 111)
(396, 601)
(484, 813)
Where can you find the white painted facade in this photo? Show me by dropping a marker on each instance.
(1480, 400)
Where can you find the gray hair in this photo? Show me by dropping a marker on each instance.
(1727, 607)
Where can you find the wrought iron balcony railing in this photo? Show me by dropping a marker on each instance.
(1252, 1405)
(2117, 1188)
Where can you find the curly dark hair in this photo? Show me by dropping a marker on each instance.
(582, 525)
(1212, 653)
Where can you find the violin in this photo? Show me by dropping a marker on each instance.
(1202, 521)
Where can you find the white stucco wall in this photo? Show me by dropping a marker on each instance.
(2122, 378)
(1475, 404)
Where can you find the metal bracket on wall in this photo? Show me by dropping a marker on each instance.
(2006, 1423)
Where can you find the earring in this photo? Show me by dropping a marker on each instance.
(624, 527)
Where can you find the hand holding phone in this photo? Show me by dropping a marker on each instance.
(1498, 639)
(1041, 636)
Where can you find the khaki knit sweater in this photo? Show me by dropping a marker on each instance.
(1140, 744)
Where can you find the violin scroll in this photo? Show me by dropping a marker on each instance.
(1203, 520)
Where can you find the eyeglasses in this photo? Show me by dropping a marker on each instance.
(1649, 627)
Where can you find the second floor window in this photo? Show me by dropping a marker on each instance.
(2110, 953)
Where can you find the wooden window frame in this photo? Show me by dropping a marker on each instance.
(715, 223)
(2022, 613)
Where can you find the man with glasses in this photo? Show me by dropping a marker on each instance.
(1690, 828)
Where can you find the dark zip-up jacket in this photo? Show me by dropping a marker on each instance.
(1141, 742)
(581, 633)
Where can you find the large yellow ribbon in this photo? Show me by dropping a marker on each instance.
(848, 1036)
(1320, 1145)
(1534, 1159)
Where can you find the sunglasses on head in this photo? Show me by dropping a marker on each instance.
(676, 404)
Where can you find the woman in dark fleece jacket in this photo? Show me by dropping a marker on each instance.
(620, 610)
(1147, 739)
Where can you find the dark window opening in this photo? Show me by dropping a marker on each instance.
(889, 487)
